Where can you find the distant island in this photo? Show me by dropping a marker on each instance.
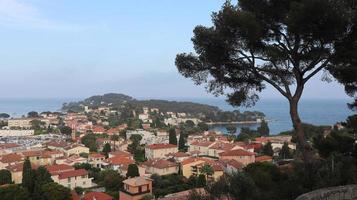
(125, 105)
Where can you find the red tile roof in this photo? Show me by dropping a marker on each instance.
(237, 152)
(161, 146)
(263, 158)
(59, 168)
(75, 196)
(9, 145)
(98, 129)
(96, 155)
(121, 153)
(73, 173)
(235, 164)
(120, 160)
(97, 196)
(10, 158)
(202, 144)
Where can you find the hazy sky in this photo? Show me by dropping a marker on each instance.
(77, 48)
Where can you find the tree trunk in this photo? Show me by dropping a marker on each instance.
(303, 145)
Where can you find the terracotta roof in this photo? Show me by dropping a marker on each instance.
(73, 173)
(98, 129)
(19, 167)
(237, 152)
(159, 163)
(161, 146)
(34, 153)
(120, 160)
(75, 196)
(9, 145)
(57, 143)
(263, 158)
(97, 196)
(10, 158)
(59, 168)
(121, 153)
(137, 181)
(96, 155)
(235, 164)
(202, 144)
(180, 154)
(222, 146)
(194, 159)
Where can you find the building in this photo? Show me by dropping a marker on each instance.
(120, 164)
(20, 123)
(160, 167)
(192, 167)
(72, 178)
(136, 188)
(242, 156)
(16, 133)
(10, 159)
(159, 150)
(16, 172)
(75, 149)
(201, 146)
(96, 160)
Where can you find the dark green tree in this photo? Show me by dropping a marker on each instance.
(66, 130)
(263, 129)
(268, 149)
(201, 180)
(32, 114)
(203, 126)
(5, 177)
(55, 191)
(351, 123)
(280, 43)
(4, 115)
(116, 138)
(89, 140)
(231, 129)
(182, 143)
(285, 152)
(28, 176)
(133, 171)
(14, 192)
(172, 136)
(106, 150)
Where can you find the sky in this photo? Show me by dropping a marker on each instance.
(80, 48)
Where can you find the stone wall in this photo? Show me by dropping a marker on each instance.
(348, 192)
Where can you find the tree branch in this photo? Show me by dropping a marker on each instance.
(323, 65)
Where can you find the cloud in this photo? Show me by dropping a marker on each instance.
(18, 14)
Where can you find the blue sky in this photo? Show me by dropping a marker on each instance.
(78, 48)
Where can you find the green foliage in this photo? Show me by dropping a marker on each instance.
(263, 129)
(14, 192)
(136, 149)
(83, 155)
(4, 115)
(27, 176)
(336, 142)
(32, 114)
(106, 150)
(163, 185)
(351, 124)
(89, 140)
(203, 126)
(285, 152)
(66, 130)
(79, 190)
(133, 171)
(207, 170)
(268, 149)
(5, 177)
(54, 191)
(111, 180)
(172, 136)
(182, 143)
(231, 129)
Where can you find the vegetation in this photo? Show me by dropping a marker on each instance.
(12, 191)
(89, 140)
(280, 43)
(106, 150)
(136, 148)
(285, 152)
(263, 129)
(268, 149)
(133, 171)
(5, 177)
(163, 185)
(172, 136)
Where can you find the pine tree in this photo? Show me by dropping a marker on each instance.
(172, 136)
(285, 152)
(268, 149)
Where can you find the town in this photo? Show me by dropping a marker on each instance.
(127, 161)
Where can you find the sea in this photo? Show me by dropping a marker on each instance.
(313, 111)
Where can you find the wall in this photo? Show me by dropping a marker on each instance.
(348, 192)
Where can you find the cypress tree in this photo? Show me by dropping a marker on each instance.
(133, 171)
(172, 136)
(182, 145)
(263, 129)
(27, 175)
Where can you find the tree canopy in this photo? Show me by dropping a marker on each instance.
(283, 43)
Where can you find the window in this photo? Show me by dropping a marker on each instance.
(84, 183)
(69, 179)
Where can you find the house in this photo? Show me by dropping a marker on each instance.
(56, 145)
(20, 122)
(202, 146)
(136, 188)
(10, 159)
(97, 196)
(73, 178)
(96, 160)
(119, 164)
(38, 157)
(9, 148)
(16, 172)
(219, 147)
(75, 149)
(72, 160)
(98, 129)
(120, 154)
(160, 167)
(233, 166)
(178, 156)
(159, 150)
(192, 167)
(242, 156)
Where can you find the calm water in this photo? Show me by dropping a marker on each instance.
(315, 111)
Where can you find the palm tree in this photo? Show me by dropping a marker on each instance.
(207, 170)
(114, 138)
